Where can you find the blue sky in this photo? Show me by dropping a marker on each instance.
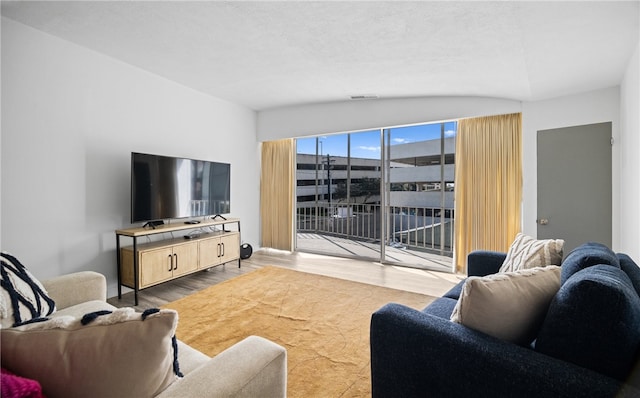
(367, 144)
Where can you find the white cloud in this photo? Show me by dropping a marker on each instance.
(450, 133)
(401, 140)
(370, 148)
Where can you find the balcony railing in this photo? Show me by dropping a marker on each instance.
(413, 228)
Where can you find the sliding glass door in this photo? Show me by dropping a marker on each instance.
(419, 191)
(384, 195)
(338, 194)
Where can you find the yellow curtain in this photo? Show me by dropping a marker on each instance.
(488, 192)
(276, 194)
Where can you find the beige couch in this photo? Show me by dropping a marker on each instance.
(254, 367)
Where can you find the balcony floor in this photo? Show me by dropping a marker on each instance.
(343, 247)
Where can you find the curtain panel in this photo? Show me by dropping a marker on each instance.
(277, 184)
(488, 192)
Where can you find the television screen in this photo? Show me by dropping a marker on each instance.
(164, 187)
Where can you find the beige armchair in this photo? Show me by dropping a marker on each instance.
(251, 368)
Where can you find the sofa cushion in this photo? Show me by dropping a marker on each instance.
(116, 354)
(527, 252)
(587, 255)
(78, 310)
(484, 262)
(441, 307)
(594, 322)
(510, 306)
(454, 292)
(190, 358)
(631, 269)
(22, 297)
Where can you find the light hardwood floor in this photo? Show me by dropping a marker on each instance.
(431, 283)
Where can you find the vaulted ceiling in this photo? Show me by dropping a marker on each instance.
(268, 54)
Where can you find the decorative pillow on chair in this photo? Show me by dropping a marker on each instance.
(14, 386)
(106, 354)
(510, 306)
(527, 252)
(22, 297)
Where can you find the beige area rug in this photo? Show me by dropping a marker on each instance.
(323, 323)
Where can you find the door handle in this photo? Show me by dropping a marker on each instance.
(542, 221)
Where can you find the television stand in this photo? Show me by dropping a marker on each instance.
(147, 264)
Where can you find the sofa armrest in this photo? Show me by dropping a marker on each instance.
(414, 354)
(484, 262)
(254, 367)
(79, 287)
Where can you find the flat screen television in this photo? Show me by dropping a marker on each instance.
(165, 187)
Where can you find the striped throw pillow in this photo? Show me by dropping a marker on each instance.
(23, 299)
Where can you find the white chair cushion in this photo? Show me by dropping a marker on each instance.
(115, 355)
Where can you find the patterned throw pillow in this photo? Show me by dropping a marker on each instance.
(527, 252)
(23, 299)
(119, 353)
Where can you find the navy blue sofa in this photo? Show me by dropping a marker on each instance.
(587, 346)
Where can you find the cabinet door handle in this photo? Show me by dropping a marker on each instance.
(175, 267)
(170, 262)
(222, 253)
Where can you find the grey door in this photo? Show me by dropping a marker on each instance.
(574, 184)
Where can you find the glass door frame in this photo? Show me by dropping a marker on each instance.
(385, 188)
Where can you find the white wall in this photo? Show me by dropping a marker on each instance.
(586, 108)
(304, 120)
(70, 119)
(630, 159)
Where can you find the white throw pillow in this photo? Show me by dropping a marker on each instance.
(510, 306)
(116, 354)
(22, 296)
(527, 252)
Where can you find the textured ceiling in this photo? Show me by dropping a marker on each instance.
(271, 54)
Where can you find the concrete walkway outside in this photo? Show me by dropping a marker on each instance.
(336, 246)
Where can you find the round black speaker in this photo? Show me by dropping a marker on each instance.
(245, 251)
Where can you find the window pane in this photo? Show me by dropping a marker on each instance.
(339, 200)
